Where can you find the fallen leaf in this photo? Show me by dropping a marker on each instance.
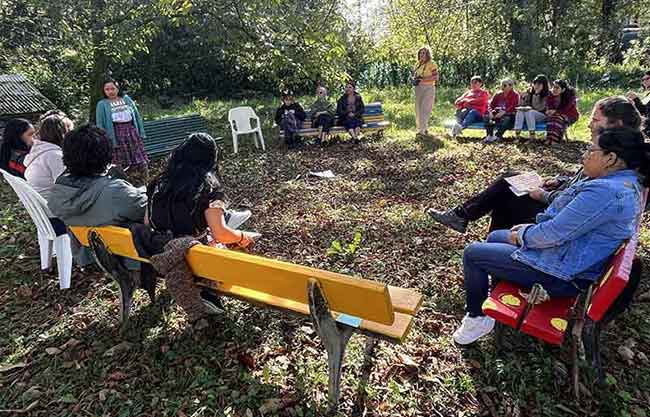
(626, 353)
(407, 361)
(24, 291)
(117, 376)
(642, 357)
(70, 344)
(53, 351)
(32, 394)
(645, 297)
(121, 347)
(246, 360)
(475, 364)
(8, 368)
(103, 394)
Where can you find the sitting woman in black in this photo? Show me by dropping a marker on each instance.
(187, 202)
(187, 198)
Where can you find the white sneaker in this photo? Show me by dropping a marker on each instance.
(234, 219)
(456, 129)
(472, 329)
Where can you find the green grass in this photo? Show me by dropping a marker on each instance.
(253, 355)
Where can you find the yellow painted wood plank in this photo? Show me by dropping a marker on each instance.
(405, 300)
(358, 297)
(398, 331)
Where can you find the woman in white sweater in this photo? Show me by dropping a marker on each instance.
(44, 163)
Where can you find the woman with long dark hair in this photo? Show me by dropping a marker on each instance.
(118, 115)
(44, 163)
(532, 106)
(187, 199)
(562, 111)
(16, 141)
(425, 76)
(350, 109)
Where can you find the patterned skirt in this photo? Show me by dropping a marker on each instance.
(129, 148)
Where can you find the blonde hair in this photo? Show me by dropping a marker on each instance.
(428, 52)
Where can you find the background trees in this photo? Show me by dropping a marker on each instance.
(166, 48)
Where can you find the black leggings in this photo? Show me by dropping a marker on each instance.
(504, 207)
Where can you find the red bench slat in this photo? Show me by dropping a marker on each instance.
(549, 320)
(505, 304)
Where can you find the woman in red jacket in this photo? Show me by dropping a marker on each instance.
(501, 112)
(562, 111)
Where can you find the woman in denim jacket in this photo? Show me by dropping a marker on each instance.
(570, 243)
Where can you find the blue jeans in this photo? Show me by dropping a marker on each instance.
(481, 259)
(466, 117)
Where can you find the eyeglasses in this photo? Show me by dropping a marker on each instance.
(589, 149)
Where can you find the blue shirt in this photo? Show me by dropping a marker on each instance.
(584, 225)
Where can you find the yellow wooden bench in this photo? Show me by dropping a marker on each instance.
(339, 305)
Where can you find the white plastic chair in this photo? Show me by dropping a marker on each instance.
(240, 124)
(50, 244)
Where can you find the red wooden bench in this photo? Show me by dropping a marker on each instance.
(585, 314)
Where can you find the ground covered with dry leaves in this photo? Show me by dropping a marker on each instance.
(63, 353)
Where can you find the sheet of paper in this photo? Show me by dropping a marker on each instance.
(523, 183)
(322, 174)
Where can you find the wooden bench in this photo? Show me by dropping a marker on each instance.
(584, 314)
(374, 122)
(339, 305)
(164, 135)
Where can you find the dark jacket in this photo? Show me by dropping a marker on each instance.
(644, 109)
(297, 108)
(342, 105)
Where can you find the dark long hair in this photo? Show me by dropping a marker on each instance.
(568, 94)
(192, 169)
(629, 145)
(619, 109)
(117, 85)
(52, 130)
(540, 79)
(12, 140)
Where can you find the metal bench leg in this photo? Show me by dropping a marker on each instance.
(113, 267)
(591, 341)
(334, 337)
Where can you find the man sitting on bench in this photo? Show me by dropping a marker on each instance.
(569, 246)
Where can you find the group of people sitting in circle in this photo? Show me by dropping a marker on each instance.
(554, 104)
(348, 113)
(560, 236)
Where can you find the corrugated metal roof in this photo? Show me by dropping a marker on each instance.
(18, 96)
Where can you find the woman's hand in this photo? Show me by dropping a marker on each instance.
(631, 95)
(247, 239)
(536, 194)
(550, 112)
(513, 237)
(550, 184)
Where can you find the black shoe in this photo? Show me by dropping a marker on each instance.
(450, 219)
(212, 302)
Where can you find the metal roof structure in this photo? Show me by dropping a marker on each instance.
(19, 97)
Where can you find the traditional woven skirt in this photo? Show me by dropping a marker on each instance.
(129, 148)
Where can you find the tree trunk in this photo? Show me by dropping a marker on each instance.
(100, 58)
(610, 30)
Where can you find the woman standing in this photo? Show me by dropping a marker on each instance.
(16, 141)
(643, 104)
(118, 115)
(350, 110)
(562, 111)
(532, 107)
(425, 75)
